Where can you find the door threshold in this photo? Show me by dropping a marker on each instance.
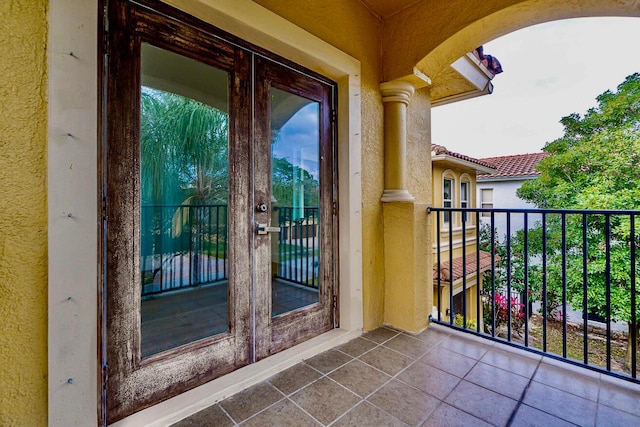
(188, 403)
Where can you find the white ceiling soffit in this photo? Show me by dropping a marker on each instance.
(472, 70)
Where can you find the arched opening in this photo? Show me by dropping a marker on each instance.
(565, 271)
(463, 30)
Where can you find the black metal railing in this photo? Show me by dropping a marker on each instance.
(184, 246)
(298, 245)
(541, 277)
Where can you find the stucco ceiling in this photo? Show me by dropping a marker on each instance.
(384, 8)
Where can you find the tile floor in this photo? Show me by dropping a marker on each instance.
(437, 378)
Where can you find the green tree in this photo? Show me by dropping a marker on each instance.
(594, 165)
(286, 176)
(184, 150)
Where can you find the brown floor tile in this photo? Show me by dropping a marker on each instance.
(568, 380)
(620, 395)
(570, 368)
(294, 378)
(432, 336)
(366, 414)
(328, 361)
(282, 414)
(386, 360)
(404, 402)
(411, 347)
(608, 416)
(449, 361)
(498, 380)
(357, 347)
(482, 403)
(360, 378)
(251, 401)
(493, 380)
(325, 400)
(212, 416)
(531, 417)
(429, 379)
(561, 404)
(380, 335)
(464, 346)
(510, 361)
(448, 416)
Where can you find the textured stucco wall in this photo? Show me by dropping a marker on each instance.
(419, 146)
(23, 213)
(352, 28)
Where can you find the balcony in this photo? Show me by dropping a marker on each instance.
(503, 363)
(440, 377)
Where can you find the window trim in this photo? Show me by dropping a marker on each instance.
(450, 200)
(484, 204)
(465, 179)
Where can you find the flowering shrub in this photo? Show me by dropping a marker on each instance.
(502, 306)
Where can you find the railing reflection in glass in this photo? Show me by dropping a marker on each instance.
(186, 245)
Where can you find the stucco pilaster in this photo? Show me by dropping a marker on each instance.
(396, 96)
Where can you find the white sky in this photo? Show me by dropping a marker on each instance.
(550, 71)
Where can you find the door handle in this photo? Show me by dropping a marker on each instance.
(264, 229)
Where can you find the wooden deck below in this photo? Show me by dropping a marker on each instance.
(189, 315)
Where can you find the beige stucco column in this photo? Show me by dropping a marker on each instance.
(396, 96)
(407, 253)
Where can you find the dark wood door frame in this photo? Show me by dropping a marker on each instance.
(135, 382)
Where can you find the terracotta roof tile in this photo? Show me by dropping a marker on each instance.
(513, 166)
(471, 266)
(441, 149)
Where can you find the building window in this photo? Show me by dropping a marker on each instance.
(486, 196)
(464, 199)
(458, 305)
(447, 198)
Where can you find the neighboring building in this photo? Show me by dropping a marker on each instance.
(498, 189)
(454, 186)
(77, 252)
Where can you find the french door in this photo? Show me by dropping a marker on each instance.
(219, 205)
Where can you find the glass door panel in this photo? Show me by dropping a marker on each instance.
(184, 192)
(293, 188)
(295, 201)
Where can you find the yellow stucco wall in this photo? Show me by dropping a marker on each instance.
(352, 28)
(23, 213)
(471, 306)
